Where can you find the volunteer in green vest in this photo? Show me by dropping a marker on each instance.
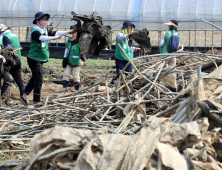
(11, 40)
(73, 64)
(120, 59)
(172, 26)
(39, 54)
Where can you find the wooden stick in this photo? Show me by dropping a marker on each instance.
(91, 108)
(3, 126)
(138, 70)
(154, 80)
(126, 83)
(18, 49)
(107, 90)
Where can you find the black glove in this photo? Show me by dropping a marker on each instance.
(83, 58)
(77, 26)
(64, 62)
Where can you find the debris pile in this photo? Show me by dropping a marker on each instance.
(151, 112)
(143, 39)
(68, 148)
(10, 55)
(92, 35)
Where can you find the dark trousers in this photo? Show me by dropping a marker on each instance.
(120, 64)
(15, 71)
(36, 80)
(6, 78)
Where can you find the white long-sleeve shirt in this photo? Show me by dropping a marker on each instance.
(121, 37)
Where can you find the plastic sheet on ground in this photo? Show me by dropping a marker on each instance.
(171, 79)
(175, 134)
(173, 160)
(116, 151)
(119, 152)
(207, 165)
(209, 87)
(63, 137)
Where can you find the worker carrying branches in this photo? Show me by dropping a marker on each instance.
(120, 58)
(71, 61)
(39, 54)
(11, 51)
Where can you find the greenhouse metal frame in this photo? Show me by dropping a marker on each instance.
(143, 13)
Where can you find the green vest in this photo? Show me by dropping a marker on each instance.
(1, 42)
(39, 50)
(166, 41)
(73, 53)
(119, 54)
(14, 42)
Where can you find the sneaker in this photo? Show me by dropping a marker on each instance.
(24, 101)
(111, 85)
(63, 90)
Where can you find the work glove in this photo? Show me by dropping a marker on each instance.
(3, 59)
(83, 58)
(57, 37)
(138, 49)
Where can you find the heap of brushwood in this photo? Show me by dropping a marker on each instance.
(149, 113)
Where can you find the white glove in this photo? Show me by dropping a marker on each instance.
(3, 59)
(71, 31)
(58, 37)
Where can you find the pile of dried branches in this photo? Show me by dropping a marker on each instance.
(152, 89)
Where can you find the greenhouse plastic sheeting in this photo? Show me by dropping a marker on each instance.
(150, 14)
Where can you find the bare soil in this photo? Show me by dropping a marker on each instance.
(88, 76)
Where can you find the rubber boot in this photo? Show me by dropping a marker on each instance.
(22, 90)
(77, 84)
(65, 84)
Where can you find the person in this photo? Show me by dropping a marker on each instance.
(120, 59)
(39, 54)
(72, 55)
(172, 28)
(10, 39)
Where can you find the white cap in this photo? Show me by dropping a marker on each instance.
(170, 23)
(3, 28)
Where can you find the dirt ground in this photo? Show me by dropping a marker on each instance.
(88, 76)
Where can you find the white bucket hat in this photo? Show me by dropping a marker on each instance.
(3, 28)
(170, 23)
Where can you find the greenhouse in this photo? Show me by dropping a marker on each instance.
(143, 13)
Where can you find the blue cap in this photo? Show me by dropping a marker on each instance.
(39, 15)
(72, 27)
(126, 24)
